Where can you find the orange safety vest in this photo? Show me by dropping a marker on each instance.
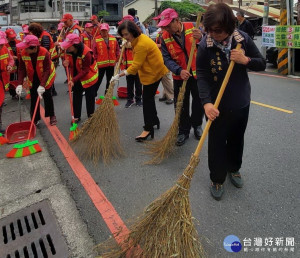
(86, 39)
(4, 60)
(177, 53)
(92, 77)
(107, 54)
(70, 31)
(127, 58)
(52, 48)
(14, 69)
(39, 67)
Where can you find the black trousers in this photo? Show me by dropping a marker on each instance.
(186, 121)
(48, 102)
(13, 77)
(226, 143)
(89, 99)
(109, 71)
(131, 81)
(149, 108)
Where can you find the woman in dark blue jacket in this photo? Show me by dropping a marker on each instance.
(215, 51)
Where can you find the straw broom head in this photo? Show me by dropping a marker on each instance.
(100, 134)
(159, 150)
(166, 229)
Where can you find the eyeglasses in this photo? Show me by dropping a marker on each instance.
(32, 47)
(217, 31)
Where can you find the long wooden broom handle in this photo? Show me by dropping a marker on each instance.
(217, 102)
(70, 93)
(56, 41)
(193, 46)
(119, 61)
(33, 116)
(97, 29)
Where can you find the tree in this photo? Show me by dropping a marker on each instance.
(185, 9)
(102, 13)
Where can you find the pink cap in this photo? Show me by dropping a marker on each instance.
(166, 17)
(60, 26)
(25, 30)
(29, 41)
(88, 25)
(3, 39)
(70, 40)
(104, 26)
(126, 17)
(156, 18)
(10, 33)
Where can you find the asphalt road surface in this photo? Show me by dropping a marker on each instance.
(266, 207)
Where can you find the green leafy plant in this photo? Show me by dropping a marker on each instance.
(103, 13)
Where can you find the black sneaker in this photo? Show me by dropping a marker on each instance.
(236, 179)
(129, 103)
(164, 98)
(216, 191)
(169, 101)
(139, 103)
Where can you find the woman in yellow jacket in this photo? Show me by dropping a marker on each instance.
(148, 62)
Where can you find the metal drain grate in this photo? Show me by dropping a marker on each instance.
(32, 233)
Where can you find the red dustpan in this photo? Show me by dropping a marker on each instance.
(18, 132)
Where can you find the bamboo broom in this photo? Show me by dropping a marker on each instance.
(161, 149)
(100, 134)
(166, 228)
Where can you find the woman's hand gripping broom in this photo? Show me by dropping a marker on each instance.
(166, 227)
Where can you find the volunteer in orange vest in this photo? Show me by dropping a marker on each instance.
(6, 66)
(148, 62)
(46, 41)
(11, 46)
(87, 35)
(83, 74)
(176, 46)
(70, 25)
(96, 25)
(131, 79)
(36, 64)
(167, 80)
(107, 54)
(44, 37)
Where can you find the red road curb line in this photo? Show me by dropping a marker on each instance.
(275, 76)
(106, 209)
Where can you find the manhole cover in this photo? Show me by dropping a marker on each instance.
(32, 232)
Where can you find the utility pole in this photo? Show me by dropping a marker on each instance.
(283, 52)
(265, 22)
(155, 8)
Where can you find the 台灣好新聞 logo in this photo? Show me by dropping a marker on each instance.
(232, 244)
